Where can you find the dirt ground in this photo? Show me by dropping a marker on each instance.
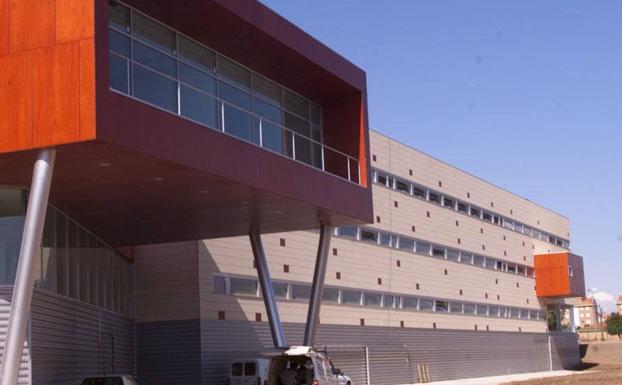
(589, 375)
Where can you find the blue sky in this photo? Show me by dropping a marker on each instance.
(525, 94)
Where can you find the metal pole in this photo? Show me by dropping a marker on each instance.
(29, 251)
(317, 288)
(269, 299)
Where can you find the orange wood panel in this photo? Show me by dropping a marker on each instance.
(553, 275)
(31, 24)
(56, 94)
(87, 89)
(75, 20)
(4, 27)
(15, 102)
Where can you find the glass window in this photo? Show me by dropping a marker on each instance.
(219, 285)
(350, 232)
(197, 54)
(73, 260)
(441, 306)
(155, 89)
(401, 186)
(433, 197)
(296, 104)
(410, 303)
(406, 244)
(419, 192)
(12, 211)
(469, 308)
(520, 270)
(496, 220)
(243, 286)
(514, 312)
(267, 89)
(527, 231)
(199, 107)
(84, 264)
(240, 124)
(331, 295)
(268, 111)
(369, 236)
(296, 124)
(48, 250)
(119, 43)
(237, 369)
(250, 369)
(385, 239)
(280, 289)
(512, 269)
(466, 258)
(493, 311)
(316, 113)
(491, 264)
(423, 248)
(234, 96)
(234, 72)
(301, 291)
(475, 212)
(351, 297)
(462, 207)
(449, 203)
(381, 179)
(455, 307)
(426, 304)
(118, 16)
(438, 251)
(272, 136)
(197, 79)
(503, 312)
(153, 32)
(154, 59)
(452, 255)
(482, 310)
(390, 301)
(117, 73)
(373, 299)
(486, 216)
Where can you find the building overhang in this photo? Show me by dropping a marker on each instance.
(559, 275)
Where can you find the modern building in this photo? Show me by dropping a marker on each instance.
(619, 304)
(203, 182)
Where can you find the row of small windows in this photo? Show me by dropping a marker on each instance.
(382, 238)
(235, 285)
(160, 66)
(443, 200)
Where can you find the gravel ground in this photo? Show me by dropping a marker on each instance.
(590, 375)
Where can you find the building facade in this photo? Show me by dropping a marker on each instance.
(585, 312)
(619, 304)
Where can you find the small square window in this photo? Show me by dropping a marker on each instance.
(417, 286)
(496, 281)
(258, 317)
(373, 157)
(517, 284)
(498, 297)
(401, 324)
(468, 195)
(285, 268)
(221, 315)
(398, 263)
(486, 295)
(446, 272)
(492, 204)
(511, 212)
(410, 172)
(440, 184)
(461, 292)
(379, 281)
(334, 251)
(362, 321)
(505, 253)
(395, 204)
(377, 219)
(413, 228)
(457, 224)
(427, 214)
(483, 247)
(459, 241)
(282, 242)
(433, 325)
(338, 275)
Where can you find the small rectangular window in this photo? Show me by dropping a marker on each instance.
(475, 212)
(441, 306)
(369, 236)
(197, 55)
(351, 297)
(462, 207)
(512, 269)
(219, 285)
(373, 299)
(433, 197)
(406, 244)
(469, 308)
(426, 304)
(419, 192)
(349, 232)
(385, 239)
(296, 104)
(449, 203)
(438, 251)
(118, 16)
(455, 307)
(381, 179)
(234, 72)
(331, 295)
(521, 270)
(402, 186)
(482, 310)
(423, 248)
(243, 286)
(466, 258)
(250, 369)
(237, 369)
(300, 291)
(452, 255)
(486, 216)
(409, 303)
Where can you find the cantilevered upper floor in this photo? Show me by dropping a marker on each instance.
(182, 120)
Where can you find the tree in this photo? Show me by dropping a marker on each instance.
(614, 325)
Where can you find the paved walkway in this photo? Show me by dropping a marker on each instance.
(496, 380)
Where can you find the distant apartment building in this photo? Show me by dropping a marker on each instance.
(619, 304)
(585, 312)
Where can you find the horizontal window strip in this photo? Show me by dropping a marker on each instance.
(433, 250)
(228, 284)
(416, 190)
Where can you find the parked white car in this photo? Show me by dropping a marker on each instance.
(110, 379)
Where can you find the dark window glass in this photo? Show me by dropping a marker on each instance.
(197, 54)
(449, 203)
(296, 104)
(469, 308)
(410, 303)
(423, 248)
(316, 114)
(496, 220)
(267, 89)
(520, 270)
(301, 292)
(482, 310)
(198, 106)
(401, 186)
(426, 304)
(351, 297)
(117, 73)
(369, 236)
(350, 232)
(381, 178)
(237, 369)
(331, 295)
(512, 269)
(475, 212)
(373, 299)
(234, 72)
(500, 266)
(234, 96)
(250, 369)
(478, 260)
(118, 15)
(441, 306)
(240, 124)
(385, 239)
(268, 111)
(297, 124)
(486, 216)
(466, 258)
(219, 284)
(433, 197)
(155, 89)
(272, 136)
(406, 244)
(514, 312)
(153, 32)
(154, 59)
(493, 311)
(462, 207)
(418, 192)
(119, 43)
(455, 307)
(243, 286)
(438, 252)
(389, 301)
(452, 255)
(197, 79)
(280, 289)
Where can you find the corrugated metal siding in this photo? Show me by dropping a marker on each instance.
(565, 351)
(5, 310)
(72, 340)
(169, 352)
(394, 353)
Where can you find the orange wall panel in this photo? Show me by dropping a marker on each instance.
(31, 24)
(87, 89)
(15, 102)
(553, 275)
(56, 95)
(74, 20)
(4, 27)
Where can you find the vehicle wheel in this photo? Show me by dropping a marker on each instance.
(348, 383)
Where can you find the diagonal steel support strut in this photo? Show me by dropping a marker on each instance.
(317, 288)
(267, 290)
(29, 251)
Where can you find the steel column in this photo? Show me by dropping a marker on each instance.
(29, 251)
(267, 290)
(317, 288)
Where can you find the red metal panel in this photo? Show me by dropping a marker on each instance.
(559, 275)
